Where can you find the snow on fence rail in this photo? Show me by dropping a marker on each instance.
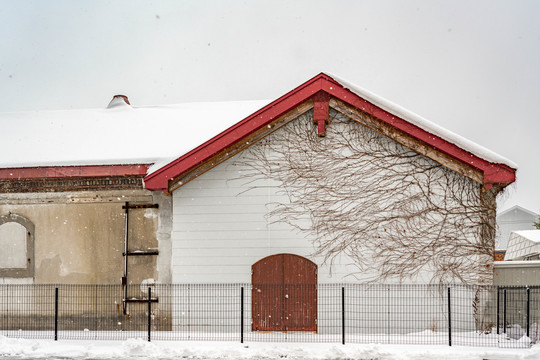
(352, 313)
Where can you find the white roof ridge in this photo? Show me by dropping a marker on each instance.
(527, 233)
(517, 207)
(136, 107)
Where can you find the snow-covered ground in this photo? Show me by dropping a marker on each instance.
(140, 349)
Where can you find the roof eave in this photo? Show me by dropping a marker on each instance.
(72, 171)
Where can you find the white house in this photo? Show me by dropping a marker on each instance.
(513, 219)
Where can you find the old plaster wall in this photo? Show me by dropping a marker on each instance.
(79, 236)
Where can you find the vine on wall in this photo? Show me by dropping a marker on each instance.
(394, 212)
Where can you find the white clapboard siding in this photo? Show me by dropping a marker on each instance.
(250, 235)
(221, 228)
(218, 252)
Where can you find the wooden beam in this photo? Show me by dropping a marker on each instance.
(86, 171)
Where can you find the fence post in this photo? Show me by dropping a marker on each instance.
(498, 311)
(242, 315)
(149, 312)
(343, 315)
(449, 320)
(528, 309)
(504, 311)
(55, 314)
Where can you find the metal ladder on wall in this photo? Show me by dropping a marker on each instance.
(128, 253)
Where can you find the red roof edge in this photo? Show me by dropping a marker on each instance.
(44, 172)
(158, 180)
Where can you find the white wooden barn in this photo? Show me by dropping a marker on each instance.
(343, 180)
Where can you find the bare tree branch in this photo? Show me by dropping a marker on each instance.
(393, 211)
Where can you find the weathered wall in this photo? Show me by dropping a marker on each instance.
(79, 236)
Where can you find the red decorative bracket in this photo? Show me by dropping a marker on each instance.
(320, 111)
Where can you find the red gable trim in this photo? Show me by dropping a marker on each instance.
(159, 180)
(73, 171)
(493, 173)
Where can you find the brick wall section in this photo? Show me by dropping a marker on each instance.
(71, 184)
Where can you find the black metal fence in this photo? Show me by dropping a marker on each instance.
(338, 313)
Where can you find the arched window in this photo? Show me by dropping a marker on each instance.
(17, 244)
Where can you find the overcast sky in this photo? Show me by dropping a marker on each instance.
(470, 66)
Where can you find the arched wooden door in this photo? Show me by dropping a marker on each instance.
(284, 294)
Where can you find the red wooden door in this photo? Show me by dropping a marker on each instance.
(284, 294)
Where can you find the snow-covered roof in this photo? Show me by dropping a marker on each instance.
(121, 134)
(523, 244)
(425, 124)
(125, 134)
(531, 235)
